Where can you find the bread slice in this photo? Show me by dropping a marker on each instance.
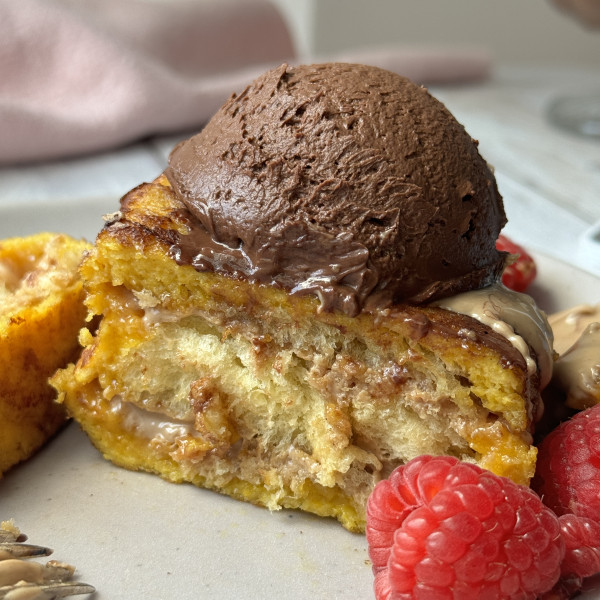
(41, 313)
(256, 393)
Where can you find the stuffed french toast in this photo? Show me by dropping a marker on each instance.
(306, 298)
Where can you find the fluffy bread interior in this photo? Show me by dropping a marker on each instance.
(253, 392)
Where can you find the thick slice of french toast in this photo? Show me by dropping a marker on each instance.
(258, 394)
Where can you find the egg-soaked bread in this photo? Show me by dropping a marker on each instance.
(41, 313)
(259, 394)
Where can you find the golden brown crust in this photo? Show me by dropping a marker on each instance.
(42, 313)
(152, 214)
(256, 393)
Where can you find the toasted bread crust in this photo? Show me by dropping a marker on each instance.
(267, 398)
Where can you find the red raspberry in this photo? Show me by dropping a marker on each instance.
(582, 557)
(441, 529)
(568, 480)
(518, 275)
(568, 466)
(582, 551)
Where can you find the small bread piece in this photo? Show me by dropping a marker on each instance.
(257, 393)
(41, 313)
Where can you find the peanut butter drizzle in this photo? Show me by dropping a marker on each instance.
(577, 339)
(514, 316)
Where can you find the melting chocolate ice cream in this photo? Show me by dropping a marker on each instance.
(345, 181)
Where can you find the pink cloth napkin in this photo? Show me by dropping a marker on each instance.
(79, 76)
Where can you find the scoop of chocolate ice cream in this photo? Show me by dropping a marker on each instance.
(346, 181)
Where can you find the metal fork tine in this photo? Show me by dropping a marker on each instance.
(51, 591)
(18, 550)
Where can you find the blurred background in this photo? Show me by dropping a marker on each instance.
(513, 31)
(94, 94)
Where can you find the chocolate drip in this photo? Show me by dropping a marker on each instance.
(344, 181)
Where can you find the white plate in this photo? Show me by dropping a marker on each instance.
(134, 536)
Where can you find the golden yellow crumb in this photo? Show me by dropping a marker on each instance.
(41, 312)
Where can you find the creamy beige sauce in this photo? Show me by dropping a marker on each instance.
(568, 325)
(514, 316)
(577, 370)
(153, 426)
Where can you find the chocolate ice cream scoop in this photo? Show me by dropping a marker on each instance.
(345, 181)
